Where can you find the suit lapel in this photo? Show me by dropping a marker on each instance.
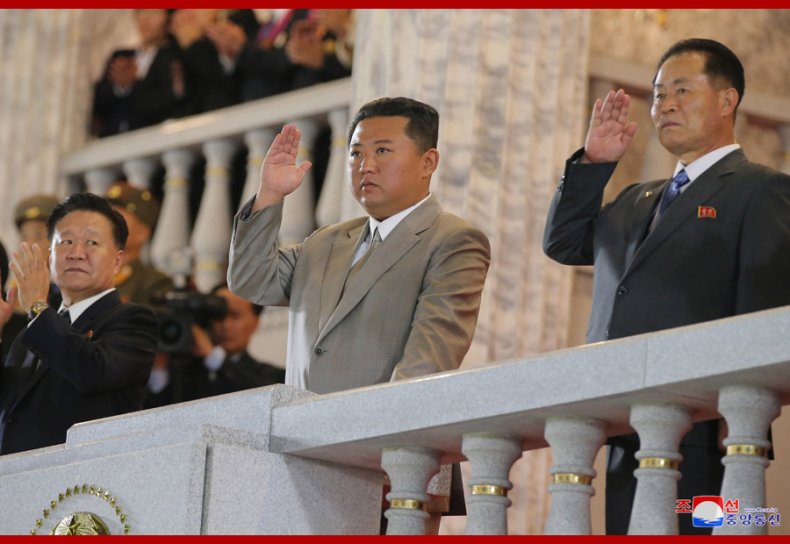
(685, 207)
(83, 325)
(337, 267)
(87, 320)
(642, 215)
(397, 244)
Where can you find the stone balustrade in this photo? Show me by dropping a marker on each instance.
(217, 136)
(312, 463)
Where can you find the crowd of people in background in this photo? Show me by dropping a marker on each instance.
(191, 61)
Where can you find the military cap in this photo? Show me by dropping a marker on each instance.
(37, 207)
(139, 202)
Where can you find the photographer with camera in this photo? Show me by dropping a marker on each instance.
(207, 338)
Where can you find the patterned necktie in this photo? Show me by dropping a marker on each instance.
(357, 266)
(376, 242)
(672, 191)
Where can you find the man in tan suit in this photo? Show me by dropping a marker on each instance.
(366, 308)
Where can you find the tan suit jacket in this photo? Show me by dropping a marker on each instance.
(410, 311)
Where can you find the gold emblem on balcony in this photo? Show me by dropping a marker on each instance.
(81, 523)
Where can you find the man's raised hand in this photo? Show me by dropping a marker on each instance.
(280, 175)
(610, 133)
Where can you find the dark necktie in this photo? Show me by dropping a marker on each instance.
(64, 313)
(672, 191)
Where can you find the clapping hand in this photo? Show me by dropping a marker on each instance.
(31, 271)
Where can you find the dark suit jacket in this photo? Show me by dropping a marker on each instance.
(246, 373)
(97, 367)
(692, 268)
(150, 101)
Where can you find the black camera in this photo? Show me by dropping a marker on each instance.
(180, 310)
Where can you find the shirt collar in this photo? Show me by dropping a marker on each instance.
(700, 165)
(388, 225)
(76, 309)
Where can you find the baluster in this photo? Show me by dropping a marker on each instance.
(98, 181)
(660, 429)
(409, 470)
(748, 412)
(299, 208)
(491, 457)
(211, 235)
(172, 228)
(328, 209)
(574, 445)
(139, 172)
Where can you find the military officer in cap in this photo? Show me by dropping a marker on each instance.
(137, 281)
(31, 216)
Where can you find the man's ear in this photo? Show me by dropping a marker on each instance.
(118, 260)
(430, 161)
(729, 101)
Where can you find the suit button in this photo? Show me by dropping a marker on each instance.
(319, 350)
(606, 334)
(622, 290)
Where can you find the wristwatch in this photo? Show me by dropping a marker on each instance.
(36, 308)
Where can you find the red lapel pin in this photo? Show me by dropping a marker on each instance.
(706, 212)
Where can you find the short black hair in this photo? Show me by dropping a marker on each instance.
(257, 309)
(90, 202)
(423, 120)
(720, 62)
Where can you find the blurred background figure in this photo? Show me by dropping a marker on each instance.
(137, 280)
(296, 49)
(210, 40)
(322, 46)
(142, 86)
(219, 362)
(30, 218)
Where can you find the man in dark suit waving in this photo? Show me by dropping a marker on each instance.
(92, 360)
(711, 242)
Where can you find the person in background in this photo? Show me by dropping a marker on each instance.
(91, 357)
(144, 86)
(220, 361)
(321, 46)
(138, 281)
(710, 242)
(209, 40)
